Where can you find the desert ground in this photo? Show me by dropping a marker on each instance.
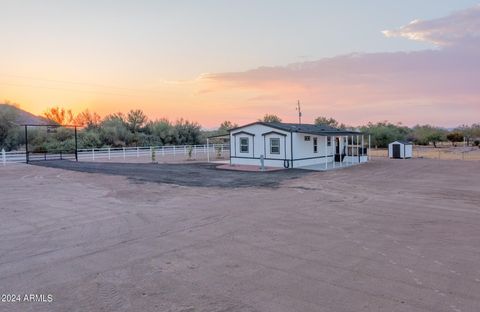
(389, 235)
(443, 151)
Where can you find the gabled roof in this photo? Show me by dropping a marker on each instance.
(302, 128)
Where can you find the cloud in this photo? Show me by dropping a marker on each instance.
(457, 28)
(398, 86)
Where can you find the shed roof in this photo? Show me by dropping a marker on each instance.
(302, 128)
(402, 142)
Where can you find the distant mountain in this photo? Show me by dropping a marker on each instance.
(23, 117)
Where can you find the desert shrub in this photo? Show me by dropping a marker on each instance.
(89, 139)
(382, 133)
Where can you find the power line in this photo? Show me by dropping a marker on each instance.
(63, 89)
(79, 83)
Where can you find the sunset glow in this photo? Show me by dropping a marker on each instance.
(178, 61)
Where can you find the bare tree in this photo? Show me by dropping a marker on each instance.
(59, 115)
(136, 119)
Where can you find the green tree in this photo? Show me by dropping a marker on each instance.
(426, 134)
(162, 130)
(90, 139)
(136, 119)
(114, 131)
(271, 118)
(10, 136)
(226, 125)
(326, 121)
(187, 132)
(382, 133)
(455, 137)
(471, 132)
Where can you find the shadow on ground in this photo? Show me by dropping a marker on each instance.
(197, 174)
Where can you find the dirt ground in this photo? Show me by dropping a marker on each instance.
(185, 174)
(390, 235)
(446, 152)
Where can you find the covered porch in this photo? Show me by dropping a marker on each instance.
(333, 165)
(344, 151)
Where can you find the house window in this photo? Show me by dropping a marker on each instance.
(243, 145)
(329, 141)
(274, 146)
(315, 145)
(307, 138)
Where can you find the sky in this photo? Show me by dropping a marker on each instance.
(407, 61)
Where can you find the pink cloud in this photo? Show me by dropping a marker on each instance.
(457, 28)
(401, 86)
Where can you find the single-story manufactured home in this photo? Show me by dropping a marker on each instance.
(292, 145)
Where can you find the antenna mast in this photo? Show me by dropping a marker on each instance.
(299, 112)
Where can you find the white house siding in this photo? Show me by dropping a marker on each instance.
(259, 145)
(303, 153)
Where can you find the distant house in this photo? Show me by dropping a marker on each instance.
(295, 145)
(400, 149)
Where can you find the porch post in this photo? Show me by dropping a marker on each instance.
(351, 157)
(356, 148)
(368, 151)
(347, 144)
(363, 146)
(326, 152)
(334, 140)
(346, 147)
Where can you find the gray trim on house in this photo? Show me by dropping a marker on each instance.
(274, 132)
(243, 132)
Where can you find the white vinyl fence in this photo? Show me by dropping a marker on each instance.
(211, 151)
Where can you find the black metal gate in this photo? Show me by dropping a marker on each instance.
(35, 151)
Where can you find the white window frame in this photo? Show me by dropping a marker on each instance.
(307, 138)
(315, 145)
(271, 146)
(329, 141)
(247, 145)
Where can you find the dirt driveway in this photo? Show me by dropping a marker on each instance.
(185, 174)
(390, 235)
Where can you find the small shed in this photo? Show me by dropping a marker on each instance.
(400, 149)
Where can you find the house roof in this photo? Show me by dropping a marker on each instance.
(302, 128)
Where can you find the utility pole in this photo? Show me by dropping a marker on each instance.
(299, 112)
